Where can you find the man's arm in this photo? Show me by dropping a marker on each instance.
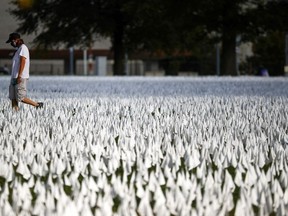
(21, 68)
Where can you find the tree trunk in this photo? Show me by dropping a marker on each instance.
(171, 67)
(228, 66)
(119, 50)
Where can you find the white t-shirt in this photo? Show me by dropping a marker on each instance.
(22, 51)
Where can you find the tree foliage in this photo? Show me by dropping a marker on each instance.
(269, 48)
(152, 25)
(74, 22)
(269, 53)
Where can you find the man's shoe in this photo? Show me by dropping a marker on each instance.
(40, 105)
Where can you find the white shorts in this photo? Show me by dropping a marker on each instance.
(18, 91)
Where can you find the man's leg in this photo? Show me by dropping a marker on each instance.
(22, 91)
(15, 105)
(30, 102)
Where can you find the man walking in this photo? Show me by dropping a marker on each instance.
(20, 73)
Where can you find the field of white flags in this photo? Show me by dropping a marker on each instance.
(146, 146)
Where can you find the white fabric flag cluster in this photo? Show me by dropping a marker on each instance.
(143, 146)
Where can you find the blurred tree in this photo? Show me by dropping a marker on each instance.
(76, 22)
(150, 25)
(161, 31)
(169, 26)
(225, 21)
(269, 48)
(229, 23)
(269, 53)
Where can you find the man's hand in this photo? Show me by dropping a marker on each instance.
(18, 80)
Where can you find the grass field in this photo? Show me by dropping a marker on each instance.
(146, 146)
